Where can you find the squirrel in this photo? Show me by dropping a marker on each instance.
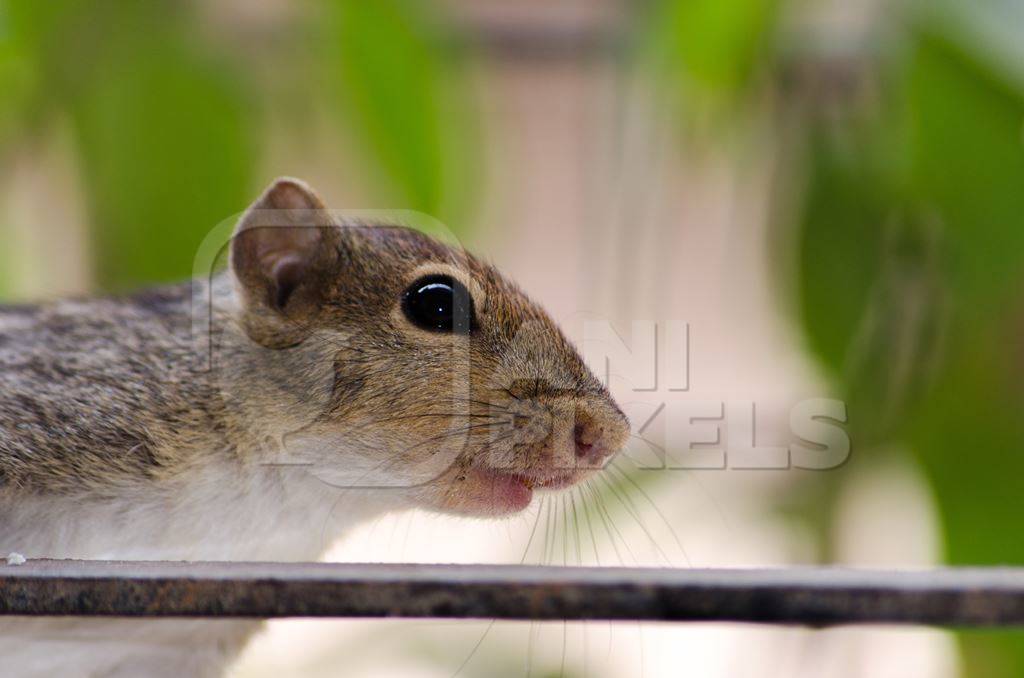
(351, 369)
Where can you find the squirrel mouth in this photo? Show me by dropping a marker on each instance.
(498, 492)
(554, 480)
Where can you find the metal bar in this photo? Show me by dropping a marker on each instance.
(806, 596)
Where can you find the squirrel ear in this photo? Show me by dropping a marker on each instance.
(283, 250)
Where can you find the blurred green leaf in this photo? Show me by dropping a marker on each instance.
(56, 44)
(165, 132)
(401, 93)
(871, 292)
(969, 161)
(967, 126)
(942, 301)
(16, 83)
(710, 48)
(167, 152)
(839, 249)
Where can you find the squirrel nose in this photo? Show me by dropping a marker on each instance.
(590, 445)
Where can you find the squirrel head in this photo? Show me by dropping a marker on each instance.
(387, 359)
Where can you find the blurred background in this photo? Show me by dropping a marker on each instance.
(830, 193)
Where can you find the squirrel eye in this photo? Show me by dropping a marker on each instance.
(439, 303)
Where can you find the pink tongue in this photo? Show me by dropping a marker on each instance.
(500, 492)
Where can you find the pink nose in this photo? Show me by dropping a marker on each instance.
(589, 444)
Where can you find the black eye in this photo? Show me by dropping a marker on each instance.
(439, 303)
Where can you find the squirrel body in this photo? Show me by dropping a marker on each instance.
(346, 370)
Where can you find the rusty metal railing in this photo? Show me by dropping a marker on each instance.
(806, 596)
